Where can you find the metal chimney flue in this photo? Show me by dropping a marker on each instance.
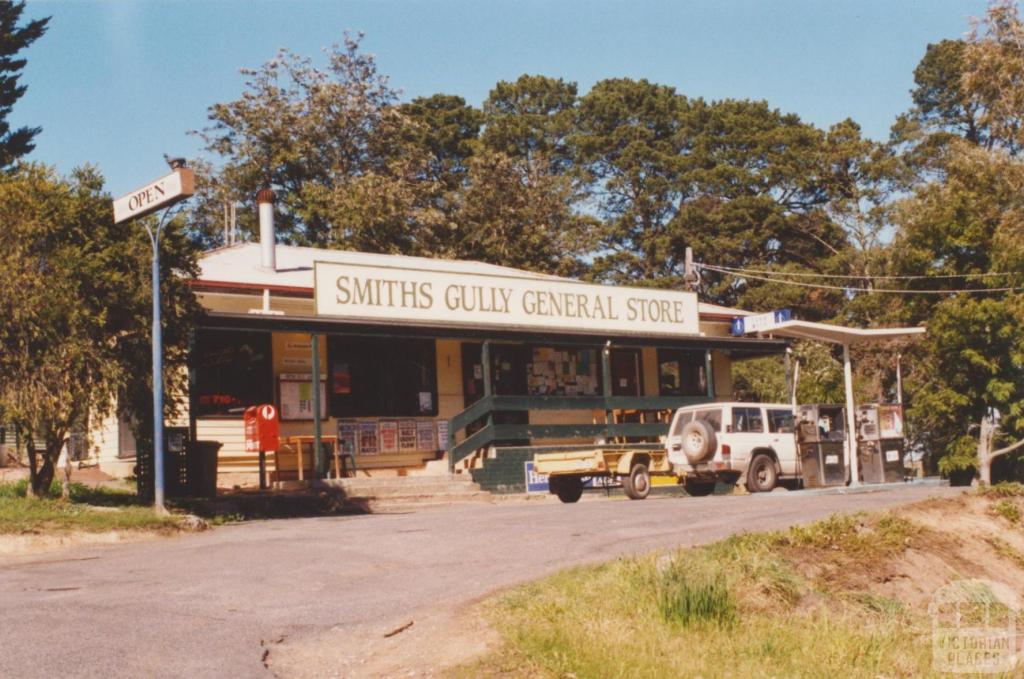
(268, 244)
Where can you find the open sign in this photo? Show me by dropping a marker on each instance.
(262, 428)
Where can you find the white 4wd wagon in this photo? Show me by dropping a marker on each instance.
(733, 441)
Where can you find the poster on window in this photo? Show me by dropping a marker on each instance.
(388, 436)
(348, 435)
(407, 436)
(425, 440)
(341, 379)
(297, 398)
(369, 441)
(442, 435)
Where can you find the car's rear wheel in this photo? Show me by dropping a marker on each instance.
(762, 475)
(699, 488)
(638, 484)
(569, 489)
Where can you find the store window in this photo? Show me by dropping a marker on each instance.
(382, 377)
(563, 371)
(126, 444)
(233, 372)
(681, 372)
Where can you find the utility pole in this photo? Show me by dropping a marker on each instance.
(690, 276)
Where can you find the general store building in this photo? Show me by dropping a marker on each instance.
(425, 364)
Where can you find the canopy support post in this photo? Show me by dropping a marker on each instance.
(317, 424)
(851, 419)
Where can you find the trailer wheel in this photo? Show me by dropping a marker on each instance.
(638, 484)
(699, 488)
(569, 489)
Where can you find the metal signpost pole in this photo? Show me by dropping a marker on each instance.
(158, 375)
(164, 192)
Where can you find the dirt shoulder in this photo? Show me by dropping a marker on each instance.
(852, 595)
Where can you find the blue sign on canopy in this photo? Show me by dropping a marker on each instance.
(741, 325)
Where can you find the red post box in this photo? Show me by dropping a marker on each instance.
(261, 434)
(261, 428)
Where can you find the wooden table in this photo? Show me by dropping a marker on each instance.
(299, 441)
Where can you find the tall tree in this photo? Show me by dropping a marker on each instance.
(14, 38)
(632, 149)
(76, 309)
(959, 234)
(742, 184)
(532, 117)
(306, 132)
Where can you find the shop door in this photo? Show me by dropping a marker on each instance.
(627, 377)
(508, 377)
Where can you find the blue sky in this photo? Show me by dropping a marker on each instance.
(119, 82)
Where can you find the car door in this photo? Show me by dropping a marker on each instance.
(745, 433)
(781, 429)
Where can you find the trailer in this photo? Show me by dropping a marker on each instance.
(566, 470)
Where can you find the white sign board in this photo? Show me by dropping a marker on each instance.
(436, 297)
(155, 195)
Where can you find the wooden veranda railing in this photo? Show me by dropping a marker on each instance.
(485, 409)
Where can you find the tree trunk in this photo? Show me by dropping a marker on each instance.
(985, 450)
(41, 470)
(33, 465)
(43, 477)
(65, 486)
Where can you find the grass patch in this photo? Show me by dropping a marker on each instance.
(1007, 509)
(89, 509)
(742, 607)
(690, 591)
(1004, 489)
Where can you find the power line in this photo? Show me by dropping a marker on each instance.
(807, 274)
(843, 288)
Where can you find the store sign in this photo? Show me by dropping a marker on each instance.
(414, 295)
(760, 322)
(165, 191)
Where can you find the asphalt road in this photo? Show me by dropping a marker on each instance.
(202, 605)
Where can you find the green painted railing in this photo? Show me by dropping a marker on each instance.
(489, 405)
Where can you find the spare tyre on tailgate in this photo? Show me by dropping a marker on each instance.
(699, 441)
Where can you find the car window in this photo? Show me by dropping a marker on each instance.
(681, 422)
(712, 416)
(780, 421)
(747, 420)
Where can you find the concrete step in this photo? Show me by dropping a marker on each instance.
(402, 487)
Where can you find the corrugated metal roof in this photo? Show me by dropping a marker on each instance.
(240, 264)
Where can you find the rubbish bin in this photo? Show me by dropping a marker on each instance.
(821, 442)
(202, 468)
